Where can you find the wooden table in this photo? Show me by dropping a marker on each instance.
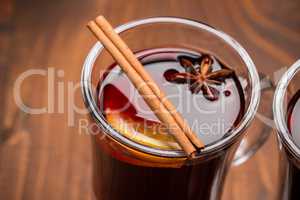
(43, 158)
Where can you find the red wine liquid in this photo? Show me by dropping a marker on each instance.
(294, 127)
(294, 117)
(127, 112)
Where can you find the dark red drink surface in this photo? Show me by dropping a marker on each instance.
(125, 109)
(294, 117)
(294, 127)
(127, 112)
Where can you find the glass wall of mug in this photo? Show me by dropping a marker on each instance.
(287, 122)
(124, 168)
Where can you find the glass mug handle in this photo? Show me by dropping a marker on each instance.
(261, 127)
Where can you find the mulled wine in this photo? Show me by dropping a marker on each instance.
(211, 112)
(211, 100)
(294, 128)
(294, 117)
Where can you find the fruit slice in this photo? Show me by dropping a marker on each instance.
(146, 132)
(123, 117)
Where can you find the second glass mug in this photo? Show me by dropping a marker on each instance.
(124, 169)
(287, 89)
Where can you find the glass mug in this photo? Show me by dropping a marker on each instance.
(289, 150)
(124, 169)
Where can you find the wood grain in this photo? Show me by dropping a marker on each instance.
(41, 157)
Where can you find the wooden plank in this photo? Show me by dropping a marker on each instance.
(6, 11)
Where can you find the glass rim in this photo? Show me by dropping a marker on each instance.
(279, 109)
(87, 90)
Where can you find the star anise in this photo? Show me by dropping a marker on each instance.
(199, 75)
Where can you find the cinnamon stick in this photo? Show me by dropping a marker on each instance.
(151, 94)
(128, 54)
